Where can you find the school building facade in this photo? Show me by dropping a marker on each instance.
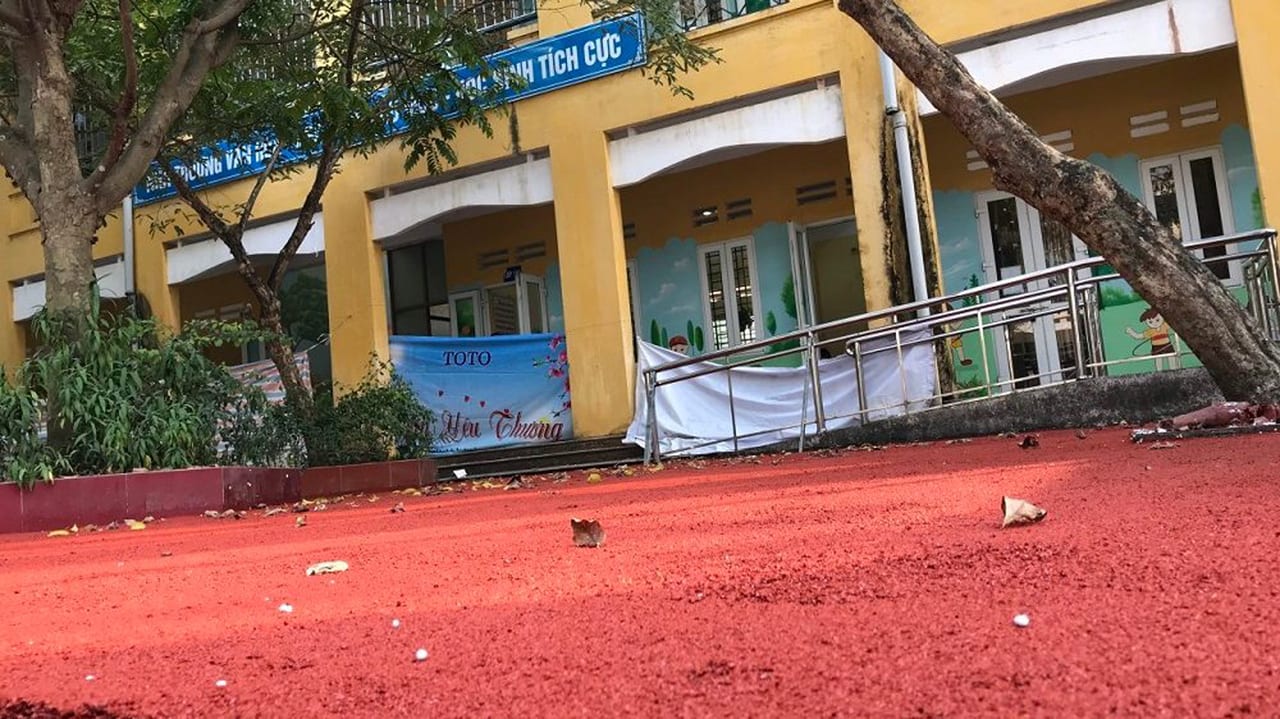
(605, 208)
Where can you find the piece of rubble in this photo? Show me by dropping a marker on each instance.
(586, 532)
(1020, 511)
(332, 567)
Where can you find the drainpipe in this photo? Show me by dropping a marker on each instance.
(906, 176)
(126, 217)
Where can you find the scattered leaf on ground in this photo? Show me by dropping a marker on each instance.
(594, 478)
(327, 568)
(301, 521)
(398, 508)
(516, 483)
(211, 513)
(134, 525)
(960, 440)
(1164, 445)
(302, 506)
(1029, 442)
(113, 526)
(412, 492)
(59, 533)
(148, 519)
(1080, 434)
(587, 532)
(166, 553)
(274, 511)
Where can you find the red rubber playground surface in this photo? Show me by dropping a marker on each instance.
(863, 583)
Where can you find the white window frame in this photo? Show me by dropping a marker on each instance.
(731, 308)
(1188, 215)
(477, 299)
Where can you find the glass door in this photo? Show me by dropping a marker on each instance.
(1188, 194)
(1017, 240)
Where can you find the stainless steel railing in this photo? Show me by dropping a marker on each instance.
(992, 309)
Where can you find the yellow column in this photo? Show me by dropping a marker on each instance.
(12, 339)
(557, 16)
(593, 275)
(356, 284)
(1256, 23)
(151, 274)
(864, 137)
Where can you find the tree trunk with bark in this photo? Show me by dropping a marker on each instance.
(1089, 202)
(38, 126)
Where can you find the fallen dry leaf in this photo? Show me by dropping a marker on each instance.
(1019, 511)
(960, 440)
(211, 514)
(1080, 434)
(59, 533)
(135, 526)
(332, 567)
(594, 478)
(516, 483)
(274, 511)
(301, 521)
(398, 508)
(1164, 445)
(587, 532)
(1029, 442)
(148, 519)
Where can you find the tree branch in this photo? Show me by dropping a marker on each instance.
(230, 235)
(257, 189)
(326, 165)
(128, 98)
(204, 46)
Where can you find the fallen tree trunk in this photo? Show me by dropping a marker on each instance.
(1089, 202)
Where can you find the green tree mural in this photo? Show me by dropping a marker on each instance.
(655, 337)
(696, 339)
(688, 330)
(663, 337)
(789, 296)
(771, 323)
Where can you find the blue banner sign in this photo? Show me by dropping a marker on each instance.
(559, 61)
(489, 391)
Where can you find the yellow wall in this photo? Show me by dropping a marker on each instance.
(663, 207)
(1097, 112)
(466, 240)
(1256, 23)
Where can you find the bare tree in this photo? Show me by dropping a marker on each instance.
(1089, 202)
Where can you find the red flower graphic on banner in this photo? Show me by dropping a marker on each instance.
(557, 364)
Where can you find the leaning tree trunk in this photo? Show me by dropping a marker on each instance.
(1089, 202)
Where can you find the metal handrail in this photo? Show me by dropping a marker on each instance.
(1259, 265)
(988, 288)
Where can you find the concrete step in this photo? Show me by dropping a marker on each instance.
(540, 458)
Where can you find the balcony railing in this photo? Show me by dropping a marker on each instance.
(700, 13)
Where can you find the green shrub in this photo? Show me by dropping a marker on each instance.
(121, 393)
(377, 420)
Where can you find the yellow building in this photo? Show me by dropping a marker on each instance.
(613, 209)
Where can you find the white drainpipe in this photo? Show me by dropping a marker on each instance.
(906, 176)
(130, 273)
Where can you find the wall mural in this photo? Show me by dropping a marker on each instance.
(669, 291)
(1130, 328)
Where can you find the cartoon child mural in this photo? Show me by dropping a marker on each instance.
(679, 344)
(1158, 333)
